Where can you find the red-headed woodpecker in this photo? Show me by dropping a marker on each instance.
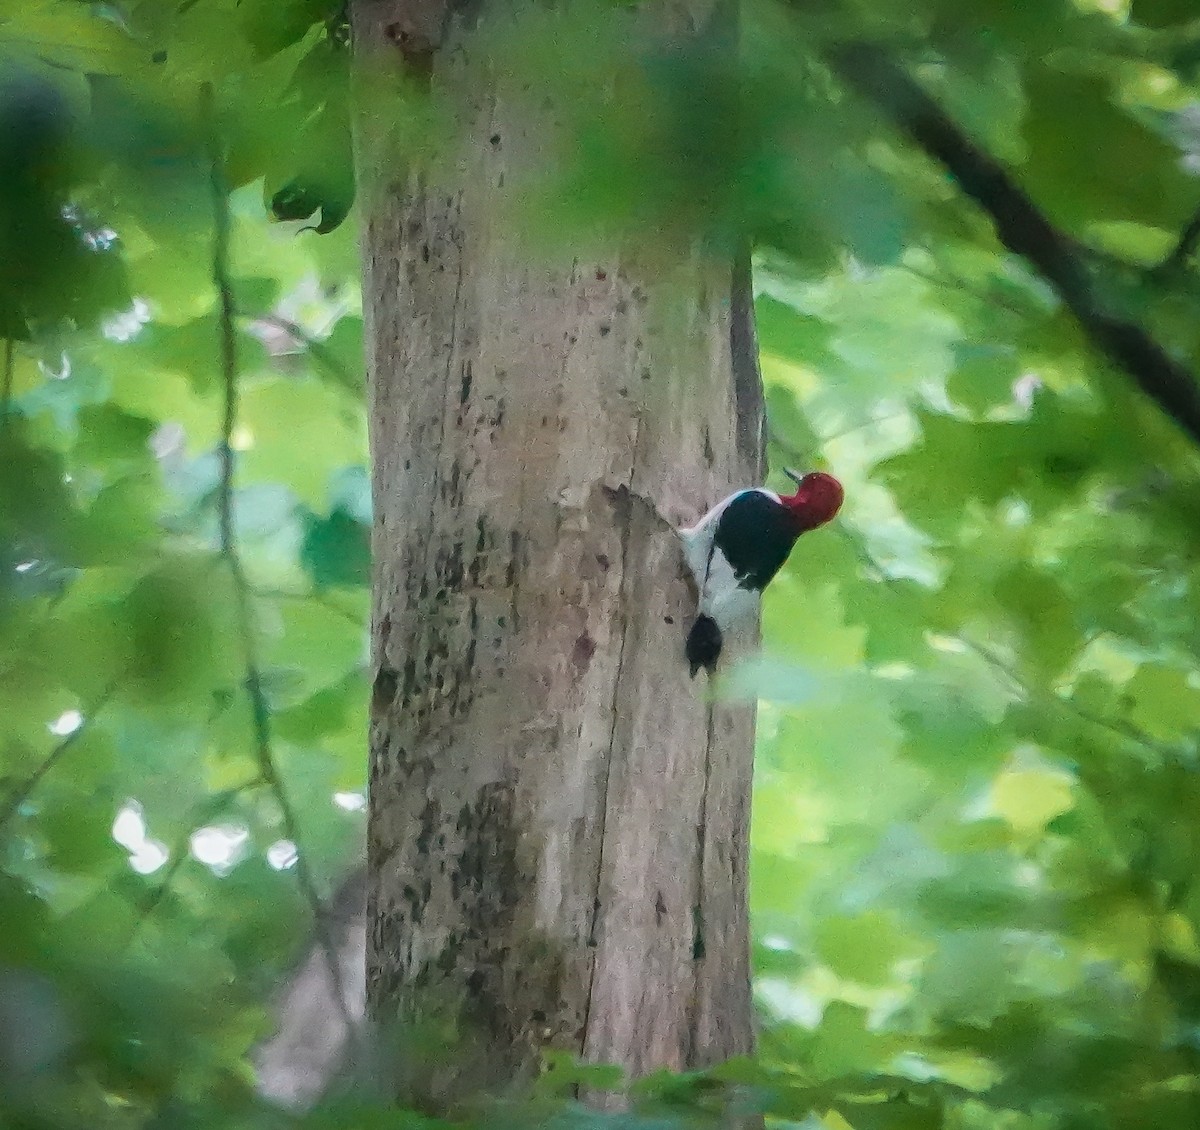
(739, 545)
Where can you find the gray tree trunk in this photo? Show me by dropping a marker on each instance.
(318, 1017)
(558, 817)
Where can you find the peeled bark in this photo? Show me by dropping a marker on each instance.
(558, 820)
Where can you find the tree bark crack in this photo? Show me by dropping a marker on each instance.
(698, 949)
(625, 517)
(743, 349)
(597, 906)
(534, 814)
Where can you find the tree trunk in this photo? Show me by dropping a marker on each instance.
(558, 815)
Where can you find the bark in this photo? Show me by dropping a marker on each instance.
(314, 1030)
(558, 822)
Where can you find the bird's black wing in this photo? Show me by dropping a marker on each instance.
(756, 534)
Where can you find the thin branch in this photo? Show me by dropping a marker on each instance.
(866, 425)
(951, 281)
(15, 799)
(320, 598)
(796, 457)
(1184, 249)
(209, 808)
(1119, 728)
(313, 346)
(252, 678)
(1021, 227)
(773, 438)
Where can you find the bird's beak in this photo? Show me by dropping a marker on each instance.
(795, 476)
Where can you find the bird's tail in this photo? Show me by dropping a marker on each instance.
(703, 644)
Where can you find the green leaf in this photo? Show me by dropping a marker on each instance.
(1164, 701)
(108, 435)
(342, 353)
(182, 645)
(70, 36)
(969, 978)
(318, 643)
(336, 550)
(298, 433)
(983, 377)
(1074, 126)
(193, 350)
(254, 295)
(1031, 798)
(1043, 615)
(272, 27)
(78, 836)
(862, 948)
(843, 1043)
(1162, 13)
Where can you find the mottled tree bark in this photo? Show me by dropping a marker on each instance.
(558, 820)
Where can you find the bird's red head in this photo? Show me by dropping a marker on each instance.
(817, 500)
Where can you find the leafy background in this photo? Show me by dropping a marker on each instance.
(977, 805)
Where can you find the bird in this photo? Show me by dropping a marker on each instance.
(736, 549)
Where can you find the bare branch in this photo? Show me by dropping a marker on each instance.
(211, 807)
(1185, 247)
(315, 347)
(775, 438)
(252, 678)
(1022, 228)
(12, 803)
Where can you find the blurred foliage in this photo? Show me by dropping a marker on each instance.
(975, 896)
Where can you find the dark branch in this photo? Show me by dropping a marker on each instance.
(1184, 249)
(1022, 228)
(314, 347)
(208, 809)
(259, 708)
(19, 795)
